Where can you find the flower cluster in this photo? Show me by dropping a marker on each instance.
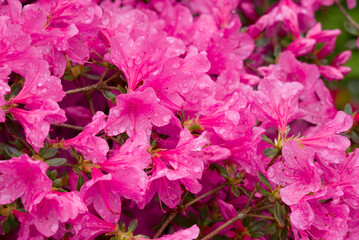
(187, 118)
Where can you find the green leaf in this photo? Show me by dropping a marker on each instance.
(348, 109)
(55, 162)
(284, 234)
(272, 228)
(270, 152)
(93, 77)
(263, 191)
(61, 190)
(203, 213)
(48, 153)
(235, 191)
(351, 29)
(9, 224)
(80, 182)
(268, 59)
(14, 128)
(68, 78)
(192, 217)
(110, 96)
(279, 214)
(354, 136)
(285, 43)
(183, 221)
(245, 191)
(13, 152)
(264, 180)
(221, 170)
(132, 225)
(15, 89)
(277, 51)
(57, 183)
(351, 44)
(75, 153)
(52, 174)
(114, 238)
(266, 139)
(257, 234)
(261, 42)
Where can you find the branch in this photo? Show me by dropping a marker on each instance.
(347, 16)
(273, 160)
(260, 216)
(241, 215)
(175, 211)
(204, 195)
(252, 195)
(170, 218)
(78, 128)
(82, 89)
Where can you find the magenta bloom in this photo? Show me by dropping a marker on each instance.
(105, 191)
(132, 153)
(87, 226)
(23, 177)
(175, 166)
(297, 171)
(186, 234)
(137, 111)
(326, 141)
(276, 103)
(52, 208)
(94, 148)
(142, 55)
(36, 123)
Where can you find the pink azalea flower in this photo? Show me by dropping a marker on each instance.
(335, 71)
(183, 79)
(320, 220)
(39, 87)
(186, 234)
(289, 69)
(23, 177)
(28, 229)
(343, 179)
(178, 18)
(318, 105)
(228, 49)
(105, 191)
(36, 123)
(87, 226)
(53, 208)
(137, 111)
(134, 55)
(303, 46)
(4, 89)
(286, 11)
(170, 167)
(227, 119)
(221, 10)
(132, 153)
(351, 4)
(297, 171)
(276, 103)
(326, 141)
(94, 148)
